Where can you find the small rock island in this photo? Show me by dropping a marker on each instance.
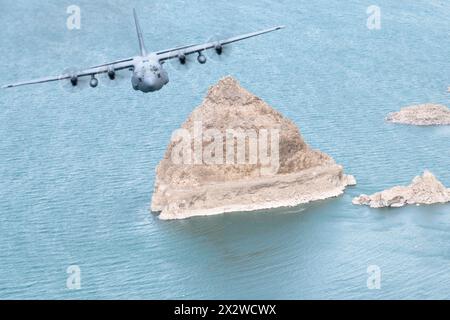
(236, 153)
(422, 115)
(425, 189)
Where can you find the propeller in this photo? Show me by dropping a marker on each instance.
(113, 78)
(182, 62)
(219, 52)
(74, 83)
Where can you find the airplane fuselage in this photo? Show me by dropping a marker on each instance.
(148, 74)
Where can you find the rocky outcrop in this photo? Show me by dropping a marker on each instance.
(425, 189)
(422, 115)
(236, 153)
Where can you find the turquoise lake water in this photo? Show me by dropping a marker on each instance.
(77, 168)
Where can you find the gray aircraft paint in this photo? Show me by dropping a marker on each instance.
(148, 72)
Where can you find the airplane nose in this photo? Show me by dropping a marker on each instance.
(150, 84)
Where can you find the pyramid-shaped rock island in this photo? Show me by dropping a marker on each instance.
(236, 153)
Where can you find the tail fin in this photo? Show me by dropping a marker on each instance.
(139, 34)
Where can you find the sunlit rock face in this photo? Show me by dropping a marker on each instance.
(425, 189)
(236, 153)
(422, 115)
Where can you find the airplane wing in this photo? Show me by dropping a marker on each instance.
(127, 63)
(187, 50)
(116, 65)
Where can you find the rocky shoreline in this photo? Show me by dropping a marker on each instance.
(272, 167)
(421, 115)
(257, 194)
(425, 189)
(196, 178)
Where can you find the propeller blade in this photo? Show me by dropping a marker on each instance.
(74, 84)
(113, 78)
(220, 52)
(183, 62)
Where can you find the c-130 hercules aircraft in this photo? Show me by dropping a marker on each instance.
(148, 72)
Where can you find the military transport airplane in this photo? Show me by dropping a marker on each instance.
(148, 72)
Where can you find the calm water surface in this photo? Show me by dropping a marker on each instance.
(77, 168)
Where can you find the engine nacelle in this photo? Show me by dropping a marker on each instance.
(74, 81)
(219, 49)
(182, 58)
(111, 74)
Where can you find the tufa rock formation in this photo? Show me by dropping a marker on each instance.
(206, 171)
(422, 115)
(425, 189)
